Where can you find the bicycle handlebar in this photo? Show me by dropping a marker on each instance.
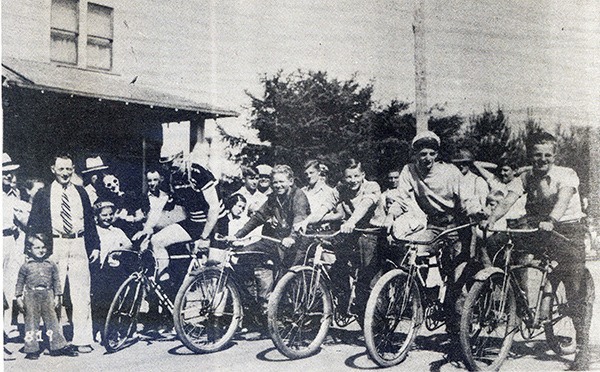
(325, 236)
(442, 234)
(221, 238)
(528, 231)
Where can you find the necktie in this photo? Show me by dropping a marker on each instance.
(65, 213)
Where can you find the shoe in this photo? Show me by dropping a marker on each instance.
(8, 356)
(33, 356)
(65, 351)
(582, 360)
(84, 349)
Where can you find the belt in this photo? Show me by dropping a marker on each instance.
(38, 288)
(76, 235)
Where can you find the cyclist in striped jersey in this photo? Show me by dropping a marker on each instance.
(195, 188)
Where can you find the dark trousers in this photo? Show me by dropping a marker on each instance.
(357, 251)
(282, 259)
(40, 304)
(455, 266)
(570, 256)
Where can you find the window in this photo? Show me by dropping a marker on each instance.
(89, 46)
(64, 31)
(100, 37)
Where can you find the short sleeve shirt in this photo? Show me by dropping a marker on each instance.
(322, 198)
(188, 188)
(350, 199)
(542, 192)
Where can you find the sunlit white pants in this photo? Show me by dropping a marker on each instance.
(12, 261)
(72, 261)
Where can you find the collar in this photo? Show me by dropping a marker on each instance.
(550, 175)
(58, 185)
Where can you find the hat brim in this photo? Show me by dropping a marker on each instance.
(10, 167)
(170, 158)
(94, 169)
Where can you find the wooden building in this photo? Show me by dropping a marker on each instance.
(89, 77)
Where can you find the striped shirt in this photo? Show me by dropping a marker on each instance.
(188, 190)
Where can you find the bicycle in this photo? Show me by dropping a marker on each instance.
(394, 312)
(497, 308)
(211, 303)
(122, 318)
(302, 305)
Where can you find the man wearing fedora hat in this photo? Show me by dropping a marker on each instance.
(63, 210)
(463, 159)
(91, 174)
(13, 258)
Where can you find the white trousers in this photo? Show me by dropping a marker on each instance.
(13, 258)
(72, 261)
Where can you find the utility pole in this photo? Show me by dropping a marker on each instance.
(420, 67)
(594, 197)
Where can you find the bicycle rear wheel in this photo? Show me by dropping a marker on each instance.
(122, 317)
(489, 323)
(207, 311)
(299, 313)
(393, 318)
(559, 330)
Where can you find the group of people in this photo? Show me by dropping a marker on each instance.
(78, 226)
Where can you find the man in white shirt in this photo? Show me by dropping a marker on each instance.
(63, 210)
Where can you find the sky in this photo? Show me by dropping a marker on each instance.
(540, 58)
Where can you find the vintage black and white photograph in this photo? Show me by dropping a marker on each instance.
(301, 185)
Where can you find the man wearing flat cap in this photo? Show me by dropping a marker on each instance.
(440, 192)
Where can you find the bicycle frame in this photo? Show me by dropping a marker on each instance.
(545, 267)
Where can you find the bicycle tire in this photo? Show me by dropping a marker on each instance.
(392, 319)
(207, 311)
(298, 320)
(559, 330)
(487, 330)
(122, 317)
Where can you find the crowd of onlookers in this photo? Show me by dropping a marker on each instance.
(77, 224)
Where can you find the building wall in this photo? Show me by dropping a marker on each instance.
(163, 43)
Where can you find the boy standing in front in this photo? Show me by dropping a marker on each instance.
(38, 293)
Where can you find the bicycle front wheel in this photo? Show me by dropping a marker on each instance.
(207, 311)
(299, 313)
(489, 323)
(393, 318)
(122, 318)
(559, 330)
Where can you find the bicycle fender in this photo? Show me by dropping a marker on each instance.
(298, 268)
(487, 272)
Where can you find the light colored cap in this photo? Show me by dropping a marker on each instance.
(7, 163)
(169, 151)
(94, 164)
(264, 169)
(426, 135)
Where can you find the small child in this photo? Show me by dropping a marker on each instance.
(111, 237)
(38, 293)
(105, 279)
